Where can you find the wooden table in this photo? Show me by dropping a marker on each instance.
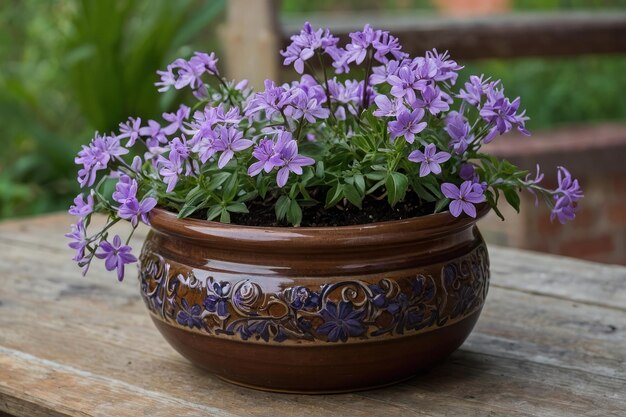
(551, 342)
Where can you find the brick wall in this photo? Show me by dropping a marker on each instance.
(596, 155)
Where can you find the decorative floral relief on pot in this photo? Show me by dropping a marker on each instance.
(338, 311)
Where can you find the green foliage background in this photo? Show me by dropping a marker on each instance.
(69, 67)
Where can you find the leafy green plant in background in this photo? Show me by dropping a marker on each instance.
(66, 68)
(563, 91)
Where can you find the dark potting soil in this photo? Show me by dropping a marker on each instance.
(373, 211)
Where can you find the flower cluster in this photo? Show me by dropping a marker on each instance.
(402, 128)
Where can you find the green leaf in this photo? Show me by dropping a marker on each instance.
(319, 169)
(434, 189)
(493, 202)
(262, 185)
(359, 183)
(512, 197)
(282, 206)
(306, 175)
(441, 204)
(194, 200)
(225, 216)
(216, 180)
(294, 214)
(375, 176)
(237, 208)
(397, 184)
(214, 211)
(422, 192)
(353, 196)
(230, 188)
(247, 196)
(334, 195)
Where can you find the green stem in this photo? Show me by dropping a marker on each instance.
(299, 128)
(368, 70)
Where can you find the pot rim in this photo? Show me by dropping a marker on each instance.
(292, 239)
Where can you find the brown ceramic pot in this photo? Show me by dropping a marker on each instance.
(315, 309)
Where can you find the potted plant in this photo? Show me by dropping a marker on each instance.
(317, 236)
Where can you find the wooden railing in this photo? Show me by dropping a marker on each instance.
(254, 33)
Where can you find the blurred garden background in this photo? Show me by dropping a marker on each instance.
(71, 67)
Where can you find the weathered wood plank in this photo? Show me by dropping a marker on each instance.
(559, 277)
(502, 36)
(68, 391)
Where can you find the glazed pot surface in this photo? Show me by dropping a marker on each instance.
(315, 309)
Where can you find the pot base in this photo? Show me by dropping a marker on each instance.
(320, 368)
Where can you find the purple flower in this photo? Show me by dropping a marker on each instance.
(265, 155)
(190, 316)
(356, 51)
(79, 241)
(381, 73)
(407, 125)
(430, 159)
(425, 70)
(387, 44)
(341, 322)
(501, 113)
(475, 89)
(349, 92)
(202, 125)
(432, 100)
(132, 210)
(187, 74)
(467, 172)
(306, 104)
(96, 157)
(130, 130)
(181, 73)
(304, 45)
(125, 189)
(170, 169)
(175, 119)
(168, 79)
(230, 141)
(272, 100)
(538, 178)
(464, 198)
(566, 196)
(458, 129)
(179, 149)
(154, 133)
(447, 69)
(204, 62)
(137, 164)
(115, 256)
(288, 158)
(388, 108)
(82, 208)
(231, 116)
(404, 84)
(296, 55)
(314, 39)
(205, 148)
(339, 57)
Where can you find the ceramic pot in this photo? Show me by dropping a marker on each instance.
(315, 309)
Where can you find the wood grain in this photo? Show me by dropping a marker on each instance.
(551, 341)
(512, 35)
